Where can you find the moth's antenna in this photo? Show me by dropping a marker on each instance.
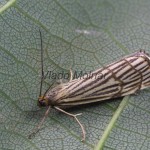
(42, 72)
(48, 89)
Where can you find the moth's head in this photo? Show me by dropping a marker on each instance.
(42, 101)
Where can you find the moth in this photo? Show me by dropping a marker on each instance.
(121, 78)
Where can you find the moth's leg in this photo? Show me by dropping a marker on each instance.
(59, 81)
(75, 117)
(36, 129)
(71, 75)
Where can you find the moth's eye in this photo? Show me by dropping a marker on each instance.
(41, 102)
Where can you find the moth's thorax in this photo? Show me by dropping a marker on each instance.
(55, 94)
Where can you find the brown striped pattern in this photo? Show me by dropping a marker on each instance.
(120, 78)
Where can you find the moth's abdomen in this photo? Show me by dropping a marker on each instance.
(120, 78)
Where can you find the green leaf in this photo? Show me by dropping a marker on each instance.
(4, 5)
(78, 35)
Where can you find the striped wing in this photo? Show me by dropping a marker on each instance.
(120, 78)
